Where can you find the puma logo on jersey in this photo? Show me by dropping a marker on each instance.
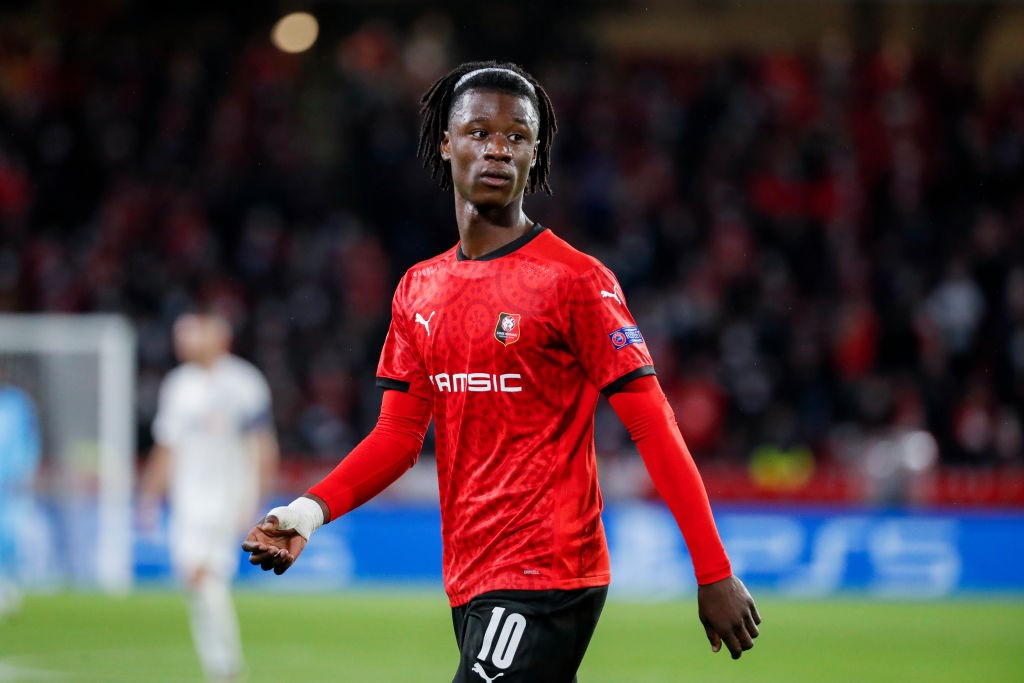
(477, 669)
(611, 295)
(420, 320)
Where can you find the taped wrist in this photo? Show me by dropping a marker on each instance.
(302, 514)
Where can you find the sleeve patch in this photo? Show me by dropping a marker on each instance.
(624, 336)
(260, 420)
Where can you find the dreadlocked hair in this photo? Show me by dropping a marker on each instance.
(436, 105)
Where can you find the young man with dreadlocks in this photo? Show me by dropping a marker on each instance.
(507, 339)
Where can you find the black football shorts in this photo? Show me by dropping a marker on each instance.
(525, 636)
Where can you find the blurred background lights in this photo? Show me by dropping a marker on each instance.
(295, 32)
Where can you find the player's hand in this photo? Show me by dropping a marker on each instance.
(729, 615)
(272, 547)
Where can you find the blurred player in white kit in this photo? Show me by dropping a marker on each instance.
(215, 453)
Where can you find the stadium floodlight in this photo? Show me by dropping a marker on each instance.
(80, 372)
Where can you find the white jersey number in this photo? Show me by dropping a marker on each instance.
(508, 640)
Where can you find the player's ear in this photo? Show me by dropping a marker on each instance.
(533, 159)
(446, 147)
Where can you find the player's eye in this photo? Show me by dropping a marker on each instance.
(478, 134)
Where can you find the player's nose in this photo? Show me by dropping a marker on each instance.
(498, 148)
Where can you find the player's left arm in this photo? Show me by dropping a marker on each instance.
(725, 606)
(258, 429)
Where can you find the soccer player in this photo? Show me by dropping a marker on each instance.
(507, 339)
(215, 448)
(20, 449)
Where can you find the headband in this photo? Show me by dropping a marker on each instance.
(474, 74)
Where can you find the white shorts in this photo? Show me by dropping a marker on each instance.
(204, 544)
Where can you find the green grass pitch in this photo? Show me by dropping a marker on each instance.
(399, 637)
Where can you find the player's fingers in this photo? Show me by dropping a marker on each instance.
(282, 561)
(253, 546)
(732, 643)
(751, 621)
(267, 557)
(257, 549)
(257, 557)
(265, 561)
(753, 610)
(739, 641)
(713, 638)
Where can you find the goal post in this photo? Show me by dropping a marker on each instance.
(79, 371)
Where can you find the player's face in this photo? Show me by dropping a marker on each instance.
(188, 338)
(201, 338)
(491, 143)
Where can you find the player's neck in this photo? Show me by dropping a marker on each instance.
(482, 231)
(207, 360)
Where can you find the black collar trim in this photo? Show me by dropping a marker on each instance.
(507, 249)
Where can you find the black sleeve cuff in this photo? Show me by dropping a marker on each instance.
(617, 385)
(388, 383)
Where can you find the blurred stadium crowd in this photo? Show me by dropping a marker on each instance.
(821, 246)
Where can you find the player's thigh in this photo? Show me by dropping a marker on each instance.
(535, 636)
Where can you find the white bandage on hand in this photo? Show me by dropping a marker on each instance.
(302, 514)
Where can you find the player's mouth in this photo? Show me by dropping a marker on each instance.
(496, 178)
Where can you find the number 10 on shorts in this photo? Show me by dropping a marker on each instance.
(508, 640)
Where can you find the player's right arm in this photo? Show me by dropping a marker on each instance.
(167, 428)
(390, 449)
(153, 485)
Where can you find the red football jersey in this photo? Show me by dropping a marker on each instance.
(511, 350)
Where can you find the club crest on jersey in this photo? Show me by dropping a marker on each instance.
(624, 336)
(507, 330)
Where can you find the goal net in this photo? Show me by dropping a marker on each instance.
(77, 372)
